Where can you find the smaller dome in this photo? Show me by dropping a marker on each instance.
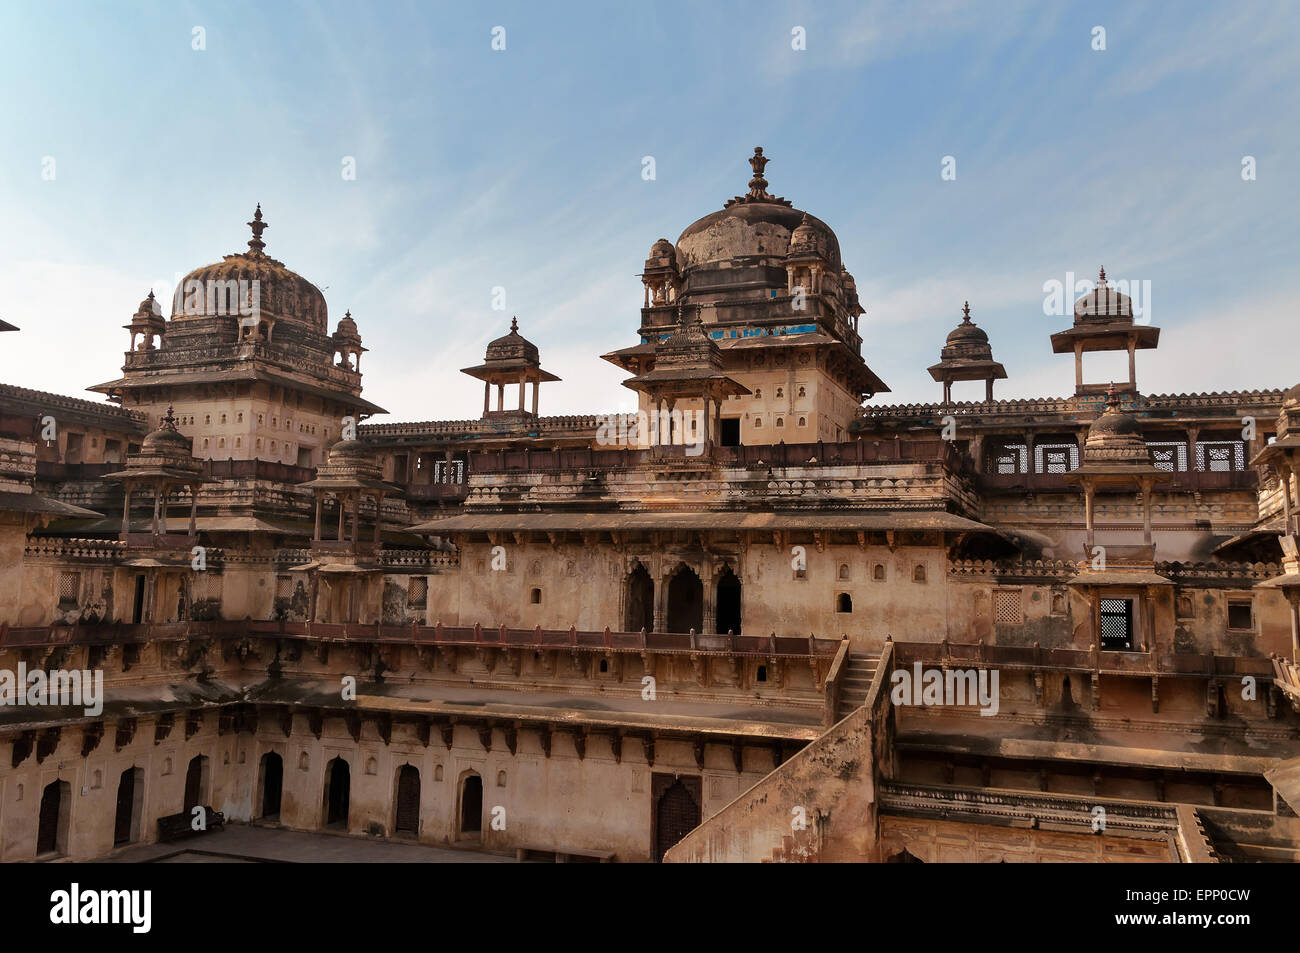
(513, 346)
(967, 334)
(347, 328)
(1104, 303)
(1114, 428)
(662, 249)
(165, 439)
(150, 306)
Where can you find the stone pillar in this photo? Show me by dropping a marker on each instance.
(194, 508)
(338, 498)
(1078, 367)
(1132, 364)
(126, 510)
(379, 506)
(1147, 487)
(155, 510)
(162, 509)
(319, 500)
(1087, 513)
(501, 396)
(537, 385)
(356, 516)
(709, 623)
(487, 397)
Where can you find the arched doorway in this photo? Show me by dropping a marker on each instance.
(640, 604)
(685, 601)
(130, 796)
(196, 783)
(338, 783)
(676, 810)
(272, 783)
(408, 801)
(728, 603)
(52, 829)
(471, 806)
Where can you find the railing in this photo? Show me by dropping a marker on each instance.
(500, 637)
(979, 655)
(848, 453)
(1184, 480)
(423, 492)
(58, 472)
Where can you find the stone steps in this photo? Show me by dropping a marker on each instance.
(855, 682)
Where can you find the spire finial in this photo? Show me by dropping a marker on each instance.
(758, 185)
(169, 422)
(965, 313)
(514, 324)
(258, 226)
(1101, 277)
(1112, 398)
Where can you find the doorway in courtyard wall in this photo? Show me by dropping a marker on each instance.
(130, 799)
(407, 822)
(196, 783)
(640, 601)
(674, 810)
(685, 601)
(728, 603)
(52, 832)
(471, 807)
(271, 782)
(338, 794)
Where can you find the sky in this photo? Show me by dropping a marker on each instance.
(138, 137)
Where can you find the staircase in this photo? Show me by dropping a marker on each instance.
(859, 670)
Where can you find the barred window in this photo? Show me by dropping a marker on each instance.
(69, 590)
(1007, 609)
(417, 592)
(1007, 458)
(1056, 457)
(284, 586)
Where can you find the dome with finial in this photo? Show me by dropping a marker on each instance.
(513, 347)
(347, 330)
(150, 307)
(969, 337)
(1115, 430)
(280, 293)
(753, 226)
(1104, 304)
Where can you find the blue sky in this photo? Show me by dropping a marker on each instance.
(521, 168)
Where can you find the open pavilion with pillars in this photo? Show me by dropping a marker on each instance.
(687, 366)
(349, 475)
(511, 359)
(164, 463)
(1120, 582)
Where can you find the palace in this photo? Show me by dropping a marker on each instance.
(667, 636)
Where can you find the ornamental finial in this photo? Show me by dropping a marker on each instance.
(965, 312)
(258, 226)
(514, 325)
(1101, 277)
(758, 185)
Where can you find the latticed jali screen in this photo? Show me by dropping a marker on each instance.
(1006, 607)
(1116, 624)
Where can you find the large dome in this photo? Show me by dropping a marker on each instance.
(752, 230)
(216, 289)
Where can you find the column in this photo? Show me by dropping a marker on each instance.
(338, 498)
(521, 395)
(155, 510)
(194, 508)
(1087, 512)
(379, 505)
(316, 537)
(536, 386)
(1132, 364)
(1147, 484)
(988, 391)
(162, 509)
(356, 516)
(1078, 367)
(1193, 437)
(501, 396)
(487, 397)
(126, 510)
(708, 412)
